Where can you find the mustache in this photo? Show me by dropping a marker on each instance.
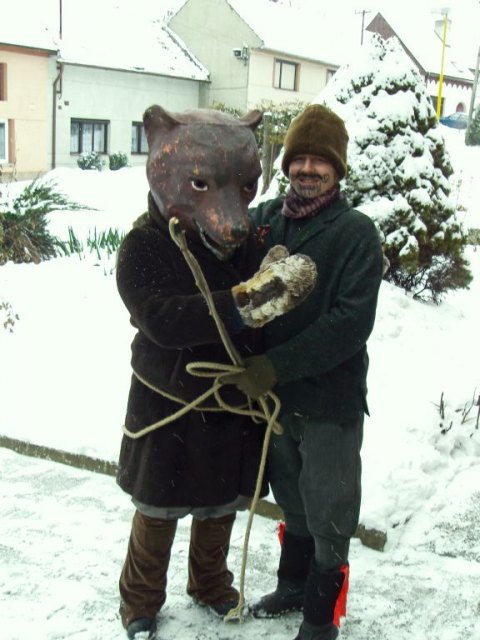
(316, 176)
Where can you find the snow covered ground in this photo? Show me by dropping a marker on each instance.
(64, 378)
(63, 536)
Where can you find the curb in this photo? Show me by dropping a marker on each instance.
(370, 537)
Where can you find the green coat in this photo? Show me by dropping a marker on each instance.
(319, 349)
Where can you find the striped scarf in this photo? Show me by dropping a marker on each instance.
(294, 206)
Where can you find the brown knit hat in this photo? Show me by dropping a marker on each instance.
(317, 131)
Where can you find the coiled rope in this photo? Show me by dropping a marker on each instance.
(217, 371)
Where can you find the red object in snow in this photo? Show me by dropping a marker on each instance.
(281, 529)
(341, 604)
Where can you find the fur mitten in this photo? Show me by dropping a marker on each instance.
(281, 284)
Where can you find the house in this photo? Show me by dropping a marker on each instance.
(26, 61)
(94, 86)
(257, 51)
(422, 40)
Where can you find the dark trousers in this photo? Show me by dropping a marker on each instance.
(315, 475)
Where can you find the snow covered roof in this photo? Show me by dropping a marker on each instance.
(288, 29)
(153, 49)
(425, 43)
(112, 34)
(25, 25)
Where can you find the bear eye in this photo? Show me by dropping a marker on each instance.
(199, 185)
(250, 187)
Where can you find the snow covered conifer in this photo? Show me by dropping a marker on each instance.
(398, 167)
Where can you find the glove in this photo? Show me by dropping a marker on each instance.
(258, 378)
(281, 284)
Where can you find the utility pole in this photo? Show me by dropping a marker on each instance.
(440, 80)
(363, 12)
(472, 100)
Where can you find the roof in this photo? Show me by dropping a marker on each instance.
(150, 47)
(111, 34)
(25, 25)
(289, 30)
(425, 45)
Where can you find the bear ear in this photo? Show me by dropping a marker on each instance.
(252, 119)
(156, 118)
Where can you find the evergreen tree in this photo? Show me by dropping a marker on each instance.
(398, 168)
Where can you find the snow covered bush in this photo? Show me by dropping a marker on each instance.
(90, 160)
(117, 161)
(400, 169)
(24, 235)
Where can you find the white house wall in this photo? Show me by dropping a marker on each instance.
(212, 30)
(453, 95)
(118, 97)
(312, 77)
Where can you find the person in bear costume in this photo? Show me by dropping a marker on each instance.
(202, 169)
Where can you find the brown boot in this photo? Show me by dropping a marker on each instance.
(144, 575)
(209, 580)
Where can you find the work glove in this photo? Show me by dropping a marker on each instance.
(257, 378)
(281, 284)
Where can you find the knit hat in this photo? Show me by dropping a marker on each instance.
(317, 131)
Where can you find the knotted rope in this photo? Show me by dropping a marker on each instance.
(217, 371)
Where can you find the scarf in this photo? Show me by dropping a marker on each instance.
(294, 206)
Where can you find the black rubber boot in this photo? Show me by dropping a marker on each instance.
(324, 632)
(321, 594)
(140, 628)
(295, 557)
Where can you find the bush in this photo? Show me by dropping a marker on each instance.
(90, 160)
(270, 132)
(24, 235)
(117, 160)
(473, 134)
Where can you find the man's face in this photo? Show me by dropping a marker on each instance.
(311, 176)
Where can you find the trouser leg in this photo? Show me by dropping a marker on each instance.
(209, 579)
(330, 486)
(144, 575)
(315, 472)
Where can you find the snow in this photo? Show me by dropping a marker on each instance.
(333, 31)
(64, 379)
(113, 34)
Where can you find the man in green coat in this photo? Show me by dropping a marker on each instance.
(316, 358)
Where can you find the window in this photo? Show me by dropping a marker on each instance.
(3, 141)
(285, 75)
(88, 135)
(3, 81)
(139, 139)
(330, 74)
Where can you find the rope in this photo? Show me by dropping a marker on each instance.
(217, 371)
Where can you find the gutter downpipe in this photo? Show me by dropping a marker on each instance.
(58, 79)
